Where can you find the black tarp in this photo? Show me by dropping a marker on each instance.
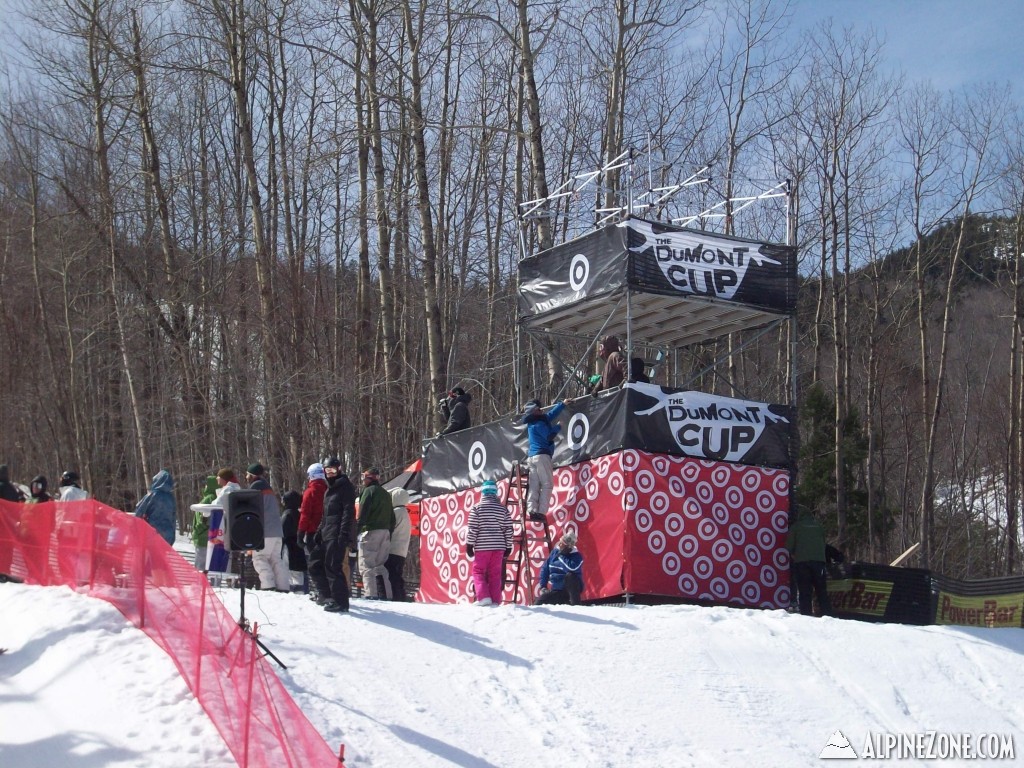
(645, 417)
(654, 258)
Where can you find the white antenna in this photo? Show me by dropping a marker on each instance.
(779, 190)
(530, 207)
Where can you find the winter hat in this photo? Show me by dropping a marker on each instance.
(530, 407)
(255, 469)
(315, 471)
(399, 497)
(568, 540)
(457, 392)
(5, 476)
(39, 480)
(489, 488)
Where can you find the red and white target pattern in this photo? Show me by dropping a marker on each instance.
(706, 530)
(648, 524)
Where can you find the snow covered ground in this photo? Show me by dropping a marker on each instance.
(460, 685)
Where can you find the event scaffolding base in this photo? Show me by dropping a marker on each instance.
(648, 524)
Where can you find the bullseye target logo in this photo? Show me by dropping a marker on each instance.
(579, 272)
(578, 431)
(477, 459)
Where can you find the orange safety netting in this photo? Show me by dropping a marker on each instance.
(105, 553)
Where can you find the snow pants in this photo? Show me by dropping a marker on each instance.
(373, 554)
(270, 567)
(488, 574)
(541, 482)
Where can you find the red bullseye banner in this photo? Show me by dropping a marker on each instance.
(648, 524)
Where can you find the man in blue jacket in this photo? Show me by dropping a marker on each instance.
(541, 430)
(564, 572)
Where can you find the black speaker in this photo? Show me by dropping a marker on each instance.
(243, 520)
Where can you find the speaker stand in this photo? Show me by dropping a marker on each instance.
(244, 622)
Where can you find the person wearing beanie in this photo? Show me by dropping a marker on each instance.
(291, 500)
(311, 510)
(541, 430)
(614, 364)
(267, 561)
(455, 411)
(376, 522)
(561, 576)
(329, 557)
(38, 490)
(488, 544)
(71, 487)
(158, 507)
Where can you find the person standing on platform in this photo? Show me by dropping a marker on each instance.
(563, 571)
(541, 430)
(376, 522)
(806, 545)
(455, 411)
(399, 549)
(489, 543)
(614, 364)
(326, 569)
(71, 487)
(267, 561)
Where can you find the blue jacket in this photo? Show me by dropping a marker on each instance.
(157, 507)
(541, 429)
(558, 565)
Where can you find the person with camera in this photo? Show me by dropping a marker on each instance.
(455, 411)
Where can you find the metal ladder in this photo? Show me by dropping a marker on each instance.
(524, 532)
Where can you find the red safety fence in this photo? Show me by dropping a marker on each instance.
(102, 552)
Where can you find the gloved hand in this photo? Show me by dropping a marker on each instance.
(469, 550)
(508, 552)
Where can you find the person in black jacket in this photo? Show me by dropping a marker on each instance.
(336, 531)
(290, 501)
(455, 411)
(8, 490)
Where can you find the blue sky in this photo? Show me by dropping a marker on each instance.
(952, 43)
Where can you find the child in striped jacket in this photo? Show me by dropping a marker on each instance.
(489, 542)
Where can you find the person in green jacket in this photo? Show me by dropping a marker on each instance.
(806, 545)
(376, 522)
(201, 523)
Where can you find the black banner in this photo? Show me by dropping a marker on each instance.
(589, 266)
(645, 417)
(658, 258)
(671, 260)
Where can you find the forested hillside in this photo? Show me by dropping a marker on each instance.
(239, 230)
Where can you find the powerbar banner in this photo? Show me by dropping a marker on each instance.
(980, 611)
(658, 258)
(644, 417)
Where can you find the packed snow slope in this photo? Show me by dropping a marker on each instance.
(459, 685)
